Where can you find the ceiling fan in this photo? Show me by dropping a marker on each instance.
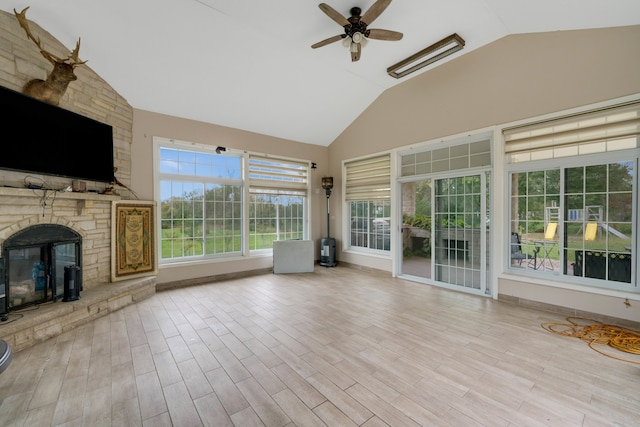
(356, 32)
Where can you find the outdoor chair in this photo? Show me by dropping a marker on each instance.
(518, 255)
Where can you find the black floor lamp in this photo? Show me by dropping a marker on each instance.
(327, 244)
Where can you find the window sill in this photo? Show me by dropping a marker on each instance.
(561, 284)
(368, 252)
(212, 260)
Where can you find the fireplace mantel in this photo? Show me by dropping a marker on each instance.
(84, 200)
(30, 192)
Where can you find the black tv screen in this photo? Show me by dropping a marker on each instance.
(45, 139)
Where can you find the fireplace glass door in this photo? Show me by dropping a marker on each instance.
(29, 281)
(36, 274)
(35, 263)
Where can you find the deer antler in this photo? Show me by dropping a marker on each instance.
(22, 19)
(53, 88)
(74, 55)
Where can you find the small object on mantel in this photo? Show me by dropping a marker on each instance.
(78, 186)
(110, 191)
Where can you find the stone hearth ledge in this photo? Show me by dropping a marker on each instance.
(32, 325)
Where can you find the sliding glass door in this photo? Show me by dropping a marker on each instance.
(445, 232)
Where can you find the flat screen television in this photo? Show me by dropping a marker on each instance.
(45, 139)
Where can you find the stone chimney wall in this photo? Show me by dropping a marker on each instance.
(90, 96)
(87, 213)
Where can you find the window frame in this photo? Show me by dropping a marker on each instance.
(562, 164)
(278, 178)
(299, 234)
(597, 134)
(244, 184)
(367, 180)
(376, 229)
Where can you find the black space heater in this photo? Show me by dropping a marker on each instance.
(72, 283)
(327, 244)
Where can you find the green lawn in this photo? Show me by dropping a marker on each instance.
(174, 245)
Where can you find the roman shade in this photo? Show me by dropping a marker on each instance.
(607, 129)
(368, 179)
(269, 175)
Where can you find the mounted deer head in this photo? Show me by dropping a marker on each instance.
(52, 89)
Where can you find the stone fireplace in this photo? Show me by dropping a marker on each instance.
(82, 216)
(44, 231)
(59, 229)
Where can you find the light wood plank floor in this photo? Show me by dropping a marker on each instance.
(338, 347)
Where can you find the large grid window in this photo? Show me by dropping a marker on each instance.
(200, 203)
(204, 198)
(599, 221)
(275, 217)
(370, 227)
(368, 193)
(535, 213)
(575, 221)
(577, 216)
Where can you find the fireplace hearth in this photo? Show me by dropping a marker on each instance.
(35, 260)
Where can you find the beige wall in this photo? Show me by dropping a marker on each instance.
(514, 78)
(148, 125)
(574, 302)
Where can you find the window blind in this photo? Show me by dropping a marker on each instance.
(368, 179)
(618, 125)
(269, 175)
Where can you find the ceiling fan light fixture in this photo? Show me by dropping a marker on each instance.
(355, 28)
(427, 56)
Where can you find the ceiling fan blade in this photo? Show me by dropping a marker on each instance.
(328, 41)
(355, 54)
(334, 14)
(384, 35)
(374, 11)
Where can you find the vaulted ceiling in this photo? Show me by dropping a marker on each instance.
(249, 64)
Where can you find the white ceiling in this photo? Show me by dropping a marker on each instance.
(249, 65)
